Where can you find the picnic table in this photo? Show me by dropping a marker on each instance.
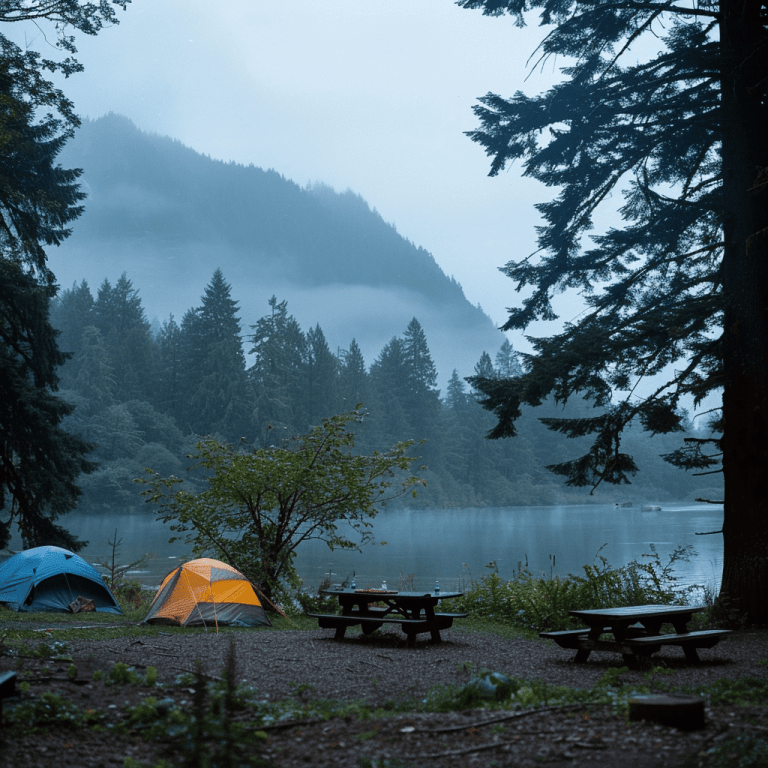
(372, 608)
(635, 632)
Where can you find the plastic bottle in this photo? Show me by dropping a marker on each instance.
(437, 587)
(353, 585)
(384, 584)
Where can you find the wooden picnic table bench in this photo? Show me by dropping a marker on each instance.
(413, 611)
(636, 632)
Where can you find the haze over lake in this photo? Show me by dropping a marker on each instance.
(451, 545)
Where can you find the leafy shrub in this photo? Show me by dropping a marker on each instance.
(317, 603)
(122, 674)
(50, 709)
(132, 598)
(719, 613)
(542, 603)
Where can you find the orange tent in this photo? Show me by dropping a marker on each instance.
(204, 593)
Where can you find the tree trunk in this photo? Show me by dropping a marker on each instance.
(745, 332)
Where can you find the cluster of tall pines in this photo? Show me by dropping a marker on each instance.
(143, 396)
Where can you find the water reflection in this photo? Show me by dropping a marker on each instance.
(450, 545)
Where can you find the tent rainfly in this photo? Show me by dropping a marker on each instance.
(52, 579)
(206, 592)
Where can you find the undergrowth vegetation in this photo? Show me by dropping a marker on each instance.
(206, 722)
(210, 722)
(541, 602)
(524, 604)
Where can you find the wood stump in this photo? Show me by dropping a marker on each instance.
(678, 710)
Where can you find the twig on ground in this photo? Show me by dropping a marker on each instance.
(290, 724)
(467, 751)
(192, 672)
(147, 645)
(511, 716)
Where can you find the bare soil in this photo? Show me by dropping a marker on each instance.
(380, 668)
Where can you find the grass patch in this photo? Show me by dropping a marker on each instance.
(485, 626)
(66, 627)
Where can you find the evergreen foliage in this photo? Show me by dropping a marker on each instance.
(322, 376)
(353, 378)
(119, 316)
(216, 390)
(39, 461)
(279, 350)
(293, 383)
(678, 292)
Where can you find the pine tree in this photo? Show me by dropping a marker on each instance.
(678, 291)
(218, 396)
(456, 397)
(39, 461)
(390, 393)
(484, 371)
(423, 402)
(94, 378)
(507, 362)
(322, 376)
(353, 379)
(119, 315)
(422, 371)
(278, 373)
(168, 374)
(71, 314)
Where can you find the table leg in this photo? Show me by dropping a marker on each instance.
(681, 626)
(652, 627)
(339, 633)
(582, 655)
(691, 656)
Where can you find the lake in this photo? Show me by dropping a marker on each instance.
(450, 545)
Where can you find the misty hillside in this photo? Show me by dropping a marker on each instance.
(168, 216)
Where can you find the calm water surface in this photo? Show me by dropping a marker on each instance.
(449, 545)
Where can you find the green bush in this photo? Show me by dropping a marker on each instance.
(50, 709)
(122, 674)
(132, 598)
(542, 603)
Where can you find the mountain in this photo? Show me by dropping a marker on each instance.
(168, 216)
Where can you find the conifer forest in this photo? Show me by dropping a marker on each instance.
(142, 396)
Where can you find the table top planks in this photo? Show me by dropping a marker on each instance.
(635, 613)
(389, 594)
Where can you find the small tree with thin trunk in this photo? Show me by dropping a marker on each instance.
(258, 504)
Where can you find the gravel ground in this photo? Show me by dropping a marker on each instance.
(381, 667)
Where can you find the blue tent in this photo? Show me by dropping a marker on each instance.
(49, 579)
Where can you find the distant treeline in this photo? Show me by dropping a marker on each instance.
(142, 398)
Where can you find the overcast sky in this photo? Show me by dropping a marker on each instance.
(370, 95)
